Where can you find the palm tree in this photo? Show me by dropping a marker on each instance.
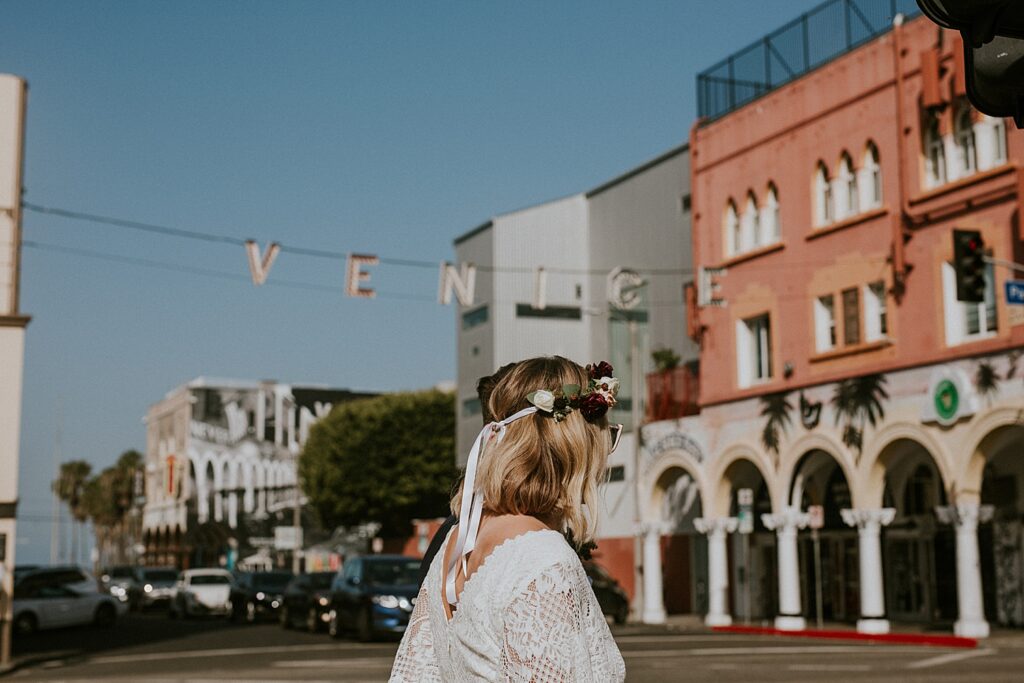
(107, 500)
(858, 403)
(775, 408)
(70, 486)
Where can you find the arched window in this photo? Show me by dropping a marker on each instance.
(771, 228)
(871, 179)
(748, 224)
(824, 209)
(963, 131)
(849, 198)
(935, 153)
(732, 230)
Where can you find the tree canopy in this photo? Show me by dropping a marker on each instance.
(387, 459)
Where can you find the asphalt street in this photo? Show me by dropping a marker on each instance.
(153, 649)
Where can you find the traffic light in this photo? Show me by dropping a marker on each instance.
(993, 32)
(969, 264)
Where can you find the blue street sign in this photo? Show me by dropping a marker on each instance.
(1015, 292)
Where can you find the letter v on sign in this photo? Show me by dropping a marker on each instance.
(259, 267)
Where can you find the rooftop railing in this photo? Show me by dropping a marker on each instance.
(813, 39)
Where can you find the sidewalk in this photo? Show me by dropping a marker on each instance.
(901, 634)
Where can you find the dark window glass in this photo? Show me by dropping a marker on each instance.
(393, 572)
(563, 312)
(161, 575)
(615, 473)
(471, 407)
(209, 580)
(275, 581)
(477, 316)
(851, 316)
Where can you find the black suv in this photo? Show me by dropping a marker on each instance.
(307, 601)
(613, 600)
(258, 594)
(373, 595)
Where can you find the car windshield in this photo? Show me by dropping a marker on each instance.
(160, 575)
(121, 573)
(392, 572)
(321, 580)
(271, 582)
(209, 580)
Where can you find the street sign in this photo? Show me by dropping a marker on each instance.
(745, 510)
(1015, 292)
(815, 516)
(287, 538)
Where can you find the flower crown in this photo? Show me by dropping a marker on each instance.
(592, 402)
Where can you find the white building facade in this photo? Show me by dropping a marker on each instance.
(551, 279)
(221, 466)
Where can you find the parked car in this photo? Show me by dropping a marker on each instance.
(52, 597)
(157, 585)
(307, 601)
(200, 592)
(373, 595)
(124, 583)
(256, 595)
(610, 595)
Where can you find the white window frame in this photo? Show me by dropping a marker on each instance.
(848, 195)
(956, 312)
(754, 350)
(876, 312)
(732, 230)
(825, 334)
(749, 225)
(771, 229)
(935, 155)
(869, 179)
(966, 143)
(824, 204)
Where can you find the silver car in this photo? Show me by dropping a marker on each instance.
(62, 596)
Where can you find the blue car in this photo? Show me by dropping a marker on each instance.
(372, 596)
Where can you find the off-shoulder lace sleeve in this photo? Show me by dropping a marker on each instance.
(548, 632)
(416, 661)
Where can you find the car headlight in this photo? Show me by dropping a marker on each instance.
(405, 604)
(148, 588)
(386, 601)
(324, 602)
(261, 595)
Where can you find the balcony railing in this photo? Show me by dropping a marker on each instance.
(672, 394)
(815, 38)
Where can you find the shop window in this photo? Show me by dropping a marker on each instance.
(474, 317)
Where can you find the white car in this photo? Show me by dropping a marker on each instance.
(62, 596)
(202, 591)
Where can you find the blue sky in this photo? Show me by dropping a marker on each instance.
(381, 127)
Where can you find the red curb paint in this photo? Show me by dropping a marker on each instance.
(887, 638)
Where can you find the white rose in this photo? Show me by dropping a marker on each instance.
(613, 385)
(544, 400)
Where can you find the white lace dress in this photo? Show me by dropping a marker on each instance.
(527, 614)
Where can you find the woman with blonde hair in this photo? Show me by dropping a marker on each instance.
(507, 598)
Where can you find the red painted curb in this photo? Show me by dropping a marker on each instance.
(889, 638)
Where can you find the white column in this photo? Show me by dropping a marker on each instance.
(786, 524)
(965, 518)
(869, 525)
(654, 600)
(718, 567)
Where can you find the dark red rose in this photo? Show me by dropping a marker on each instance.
(593, 406)
(602, 369)
(561, 403)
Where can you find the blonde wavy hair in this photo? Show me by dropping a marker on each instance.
(543, 468)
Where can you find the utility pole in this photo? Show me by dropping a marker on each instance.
(13, 96)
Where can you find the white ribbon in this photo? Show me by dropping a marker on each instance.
(472, 506)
